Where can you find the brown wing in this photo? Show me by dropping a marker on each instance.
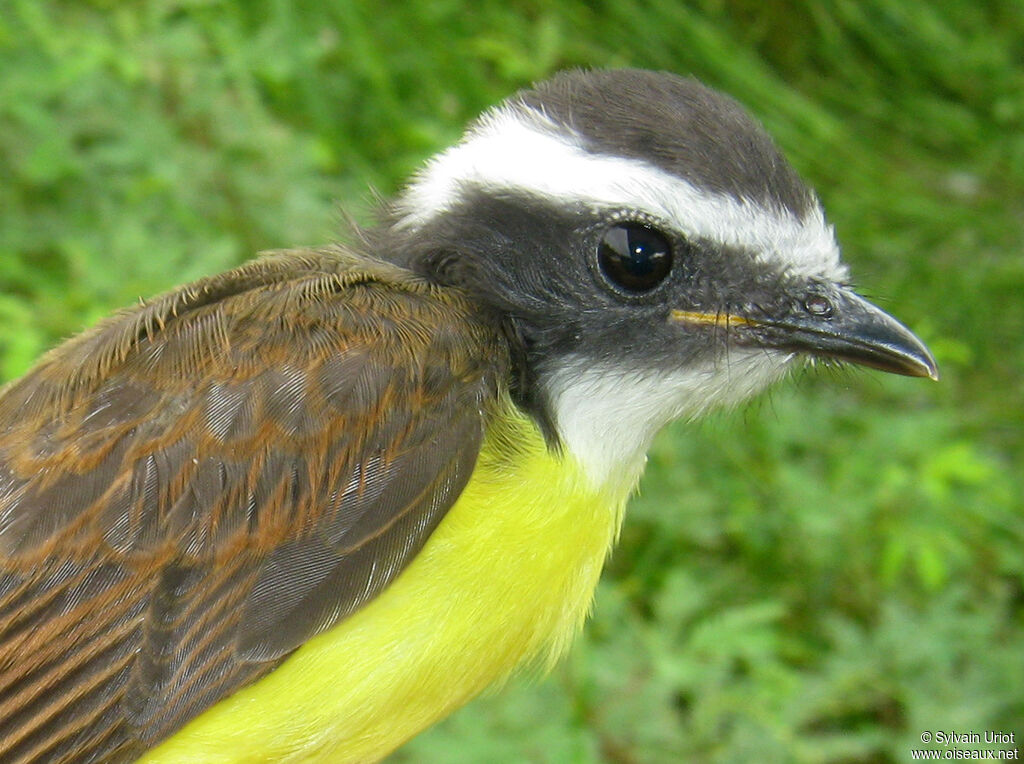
(197, 486)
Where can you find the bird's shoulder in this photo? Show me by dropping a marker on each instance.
(200, 483)
(294, 346)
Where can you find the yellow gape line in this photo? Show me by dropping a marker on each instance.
(507, 577)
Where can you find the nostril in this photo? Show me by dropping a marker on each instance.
(819, 306)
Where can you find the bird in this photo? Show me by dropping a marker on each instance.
(303, 509)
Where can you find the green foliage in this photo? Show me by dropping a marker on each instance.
(820, 577)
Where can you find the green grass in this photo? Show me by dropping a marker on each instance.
(819, 577)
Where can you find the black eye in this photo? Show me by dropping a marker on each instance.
(634, 257)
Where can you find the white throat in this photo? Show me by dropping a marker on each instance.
(607, 417)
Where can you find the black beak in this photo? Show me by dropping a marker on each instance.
(834, 322)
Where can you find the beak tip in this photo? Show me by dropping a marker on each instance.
(914, 360)
(877, 339)
(927, 371)
(924, 361)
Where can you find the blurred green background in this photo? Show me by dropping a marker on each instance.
(819, 577)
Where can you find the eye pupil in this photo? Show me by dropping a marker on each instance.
(634, 257)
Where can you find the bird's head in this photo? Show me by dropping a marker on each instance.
(648, 250)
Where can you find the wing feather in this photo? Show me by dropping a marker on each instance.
(197, 486)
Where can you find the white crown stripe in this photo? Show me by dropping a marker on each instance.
(524, 152)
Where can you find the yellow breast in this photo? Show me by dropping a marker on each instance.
(506, 578)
